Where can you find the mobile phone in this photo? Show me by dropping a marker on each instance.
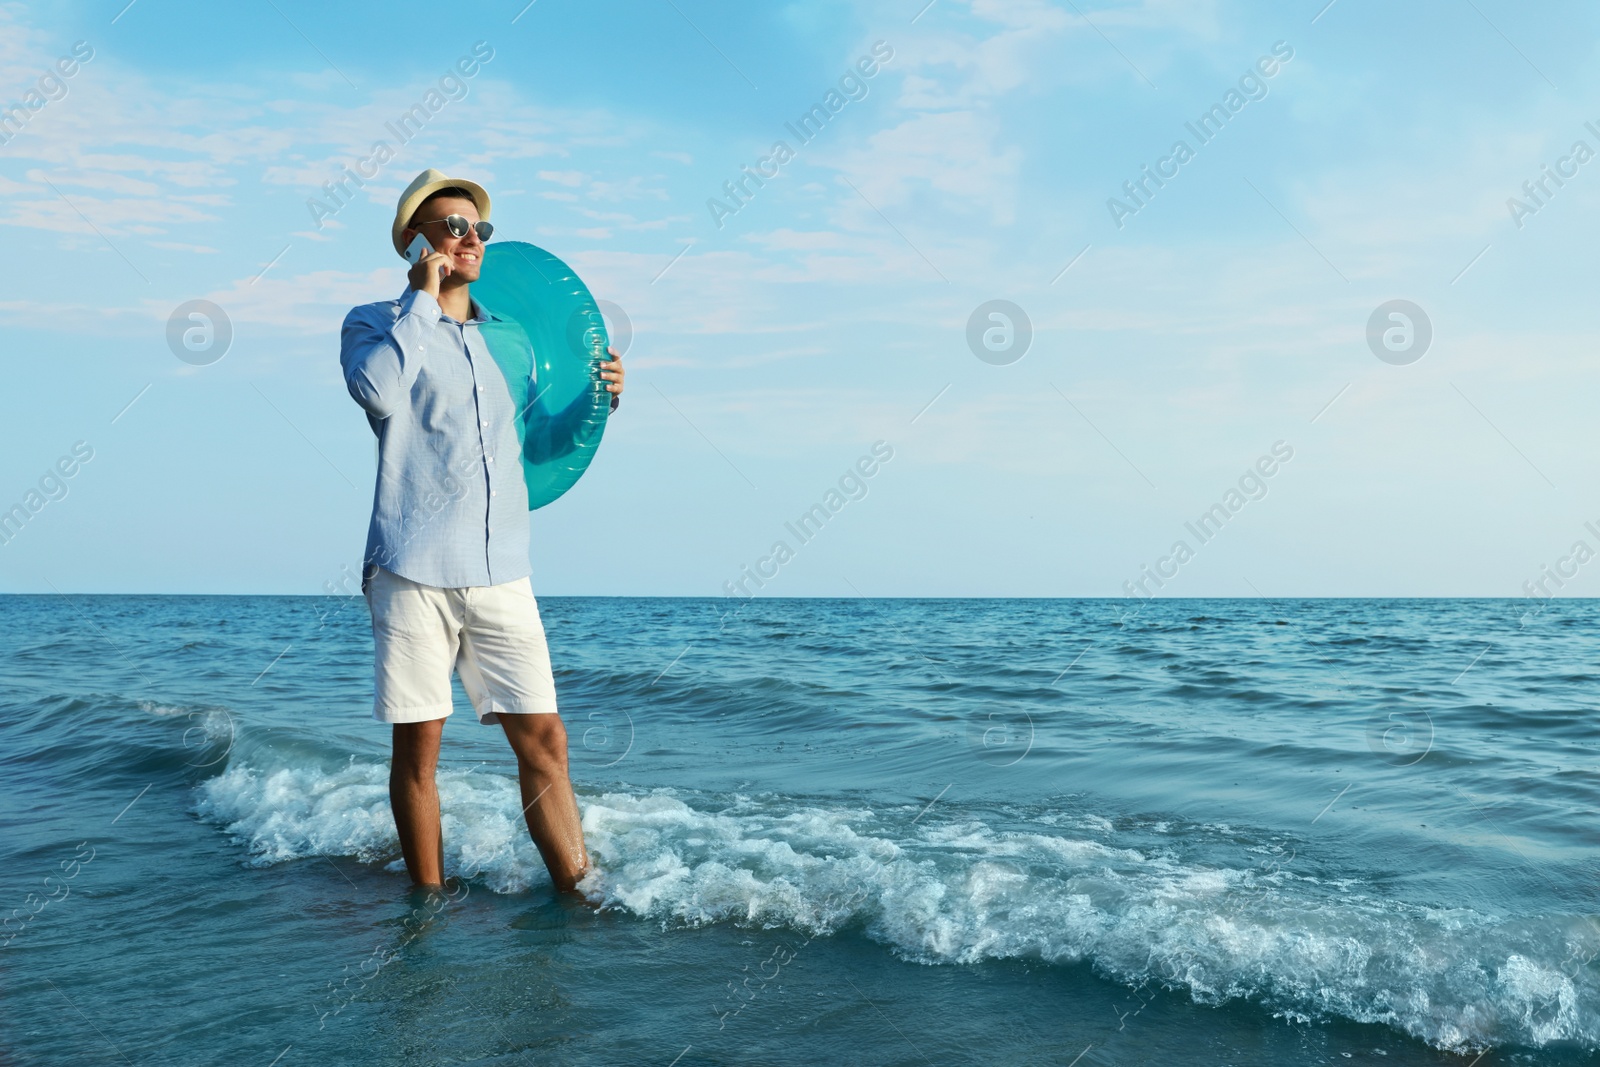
(418, 248)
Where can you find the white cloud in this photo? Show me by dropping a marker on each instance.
(178, 246)
(314, 303)
(142, 157)
(570, 178)
(955, 152)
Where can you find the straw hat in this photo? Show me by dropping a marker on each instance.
(424, 185)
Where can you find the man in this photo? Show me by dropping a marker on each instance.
(446, 571)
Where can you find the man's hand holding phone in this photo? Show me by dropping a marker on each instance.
(427, 266)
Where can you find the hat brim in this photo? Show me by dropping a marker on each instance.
(408, 206)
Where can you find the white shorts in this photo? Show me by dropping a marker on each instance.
(490, 635)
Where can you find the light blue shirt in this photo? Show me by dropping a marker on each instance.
(450, 507)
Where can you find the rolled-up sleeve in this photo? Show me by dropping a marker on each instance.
(381, 361)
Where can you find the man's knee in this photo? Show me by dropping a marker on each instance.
(541, 741)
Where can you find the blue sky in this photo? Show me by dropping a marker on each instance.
(1225, 315)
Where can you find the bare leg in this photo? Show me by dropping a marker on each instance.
(414, 796)
(548, 803)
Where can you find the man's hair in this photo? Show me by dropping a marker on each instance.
(454, 190)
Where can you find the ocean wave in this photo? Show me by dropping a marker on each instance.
(1302, 943)
(296, 812)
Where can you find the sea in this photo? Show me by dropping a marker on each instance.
(854, 831)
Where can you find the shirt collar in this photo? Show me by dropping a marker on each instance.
(479, 312)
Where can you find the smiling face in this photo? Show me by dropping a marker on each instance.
(466, 253)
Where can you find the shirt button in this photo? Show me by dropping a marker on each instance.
(485, 425)
(491, 492)
(491, 459)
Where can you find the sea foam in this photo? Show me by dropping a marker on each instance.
(956, 890)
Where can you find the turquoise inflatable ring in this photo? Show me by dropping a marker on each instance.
(548, 338)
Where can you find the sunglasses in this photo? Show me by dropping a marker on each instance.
(459, 226)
